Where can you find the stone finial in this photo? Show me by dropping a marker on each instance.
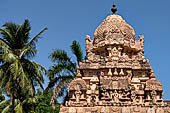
(121, 72)
(87, 37)
(110, 72)
(114, 9)
(152, 76)
(78, 74)
(115, 73)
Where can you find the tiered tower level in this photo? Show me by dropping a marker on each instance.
(116, 77)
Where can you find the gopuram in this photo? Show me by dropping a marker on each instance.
(116, 77)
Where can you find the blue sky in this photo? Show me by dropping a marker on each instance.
(69, 20)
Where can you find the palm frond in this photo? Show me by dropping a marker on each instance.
(19, 108)
(58, 90)
(77, 51)
(56, 80)
(4, 102)
(38, 66)
(60, 67)
(32, 52)
(28, 52)
(3, 78)
(6, 35)
(19, 38)
(35, 71)
(9, 33)
(35, 39)
(39, 70)
(59, 56)
(64, 69)
(4, 47)
(29, 82)
(26, 81)
(26, 30)
(7, 109)
(15, 70)
(16, 35)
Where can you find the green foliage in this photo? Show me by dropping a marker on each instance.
(40, 103)
(18, 74)
(1, 97)
(63, 71)
(3, 105)
(26, 106)
(43, 103)
(2, 102)
(77, 51)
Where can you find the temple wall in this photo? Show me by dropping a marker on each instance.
(112, 109)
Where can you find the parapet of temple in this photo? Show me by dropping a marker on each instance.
(116, 77)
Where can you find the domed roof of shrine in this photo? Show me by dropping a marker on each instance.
(153, 84)
(113, 28)
(77, 83)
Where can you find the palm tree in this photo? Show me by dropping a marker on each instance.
(43, 103)
(24, 106)
(37, 104)
(17, 71)
(63, 71)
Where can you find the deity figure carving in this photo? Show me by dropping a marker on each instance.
(133, 96)
(105, 94)
(93, 100)
(114, 96)
(78, 93)
(153, 95)
(115, 53)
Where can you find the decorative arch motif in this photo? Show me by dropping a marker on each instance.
(153, 85)
(75, 83)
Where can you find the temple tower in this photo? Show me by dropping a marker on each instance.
(116, 77)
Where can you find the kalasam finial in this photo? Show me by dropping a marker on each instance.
(114, 9)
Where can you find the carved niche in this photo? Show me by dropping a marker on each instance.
(154, 90)
(77, 92)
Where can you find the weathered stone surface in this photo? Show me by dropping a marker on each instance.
(115, 77)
